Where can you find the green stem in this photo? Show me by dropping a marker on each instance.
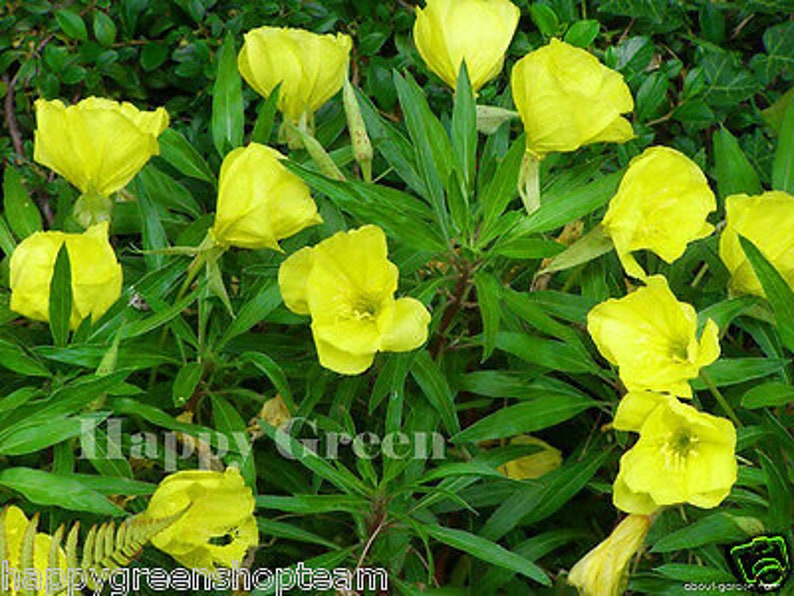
(720, 399)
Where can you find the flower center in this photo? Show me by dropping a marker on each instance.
(681, 444)
(365, 308)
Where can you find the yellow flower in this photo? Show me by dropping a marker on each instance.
(311, 68)
(275, 412)
(218, 526)
(259, 200)
(650, 337)
(661, 206)
(534, 465)
(567, 98)
(604, 570)
(98, 145)
(347, 284)
(634, 408)
(13, 526)
(765, 220)
(96, 274)
(449, 32)
(682, 456)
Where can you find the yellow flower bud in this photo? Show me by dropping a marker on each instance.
(534, 465)
(650, 337)
(567, 98)
(682, 456)
(449, 32)
(13, 527)
(98, 145)
(661, 206)
(604, 570)
(765, 220)
(311, 68)
(96, 274)
(347, 284)
(259, 200)
(218, 526)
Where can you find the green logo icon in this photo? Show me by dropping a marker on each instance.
(763, 562)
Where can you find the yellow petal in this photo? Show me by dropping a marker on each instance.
(566, 98)
(342, 362)
(96, 274)
(292, 277)
(629, 501)
(259, 201)
(661, 205)
(98, 145)
(764, 220)
(407, 329)
(449, 32)
(311, 68)
(218, 525)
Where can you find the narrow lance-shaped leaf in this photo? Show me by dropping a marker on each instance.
(61, 298)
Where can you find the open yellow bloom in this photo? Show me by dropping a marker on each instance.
(567, 98)
(346, 284)
(650, 337)
(449, 32)
(766, 220)
(13, 526)
(533, 465)
(310, 67)
(218, 526)
(259, 200)
(682, 456)
(604, 571)
(661, 206)
(96, 273)
(98, 145)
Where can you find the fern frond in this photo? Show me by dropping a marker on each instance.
(106, 546)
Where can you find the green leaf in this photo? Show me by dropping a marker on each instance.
(781, 509)
(430, 142)
(734, 173)
(335, 473)
(20, 211)
(167, 192)
(534, 502)
(104, 29)
(14, 358)
(464, 129)
(251, 313)
(503, 187)
(274, 372)
(263, 127)
(227, 100)
(544, 18)
(768, 395)
(551, 354)
(486, 550)
(153, 55)
(312, 504)
(488, 296)
(783, 167)
(435, 387)
(526, 417)
(571, 206)
(24, 438)
(732, 371)
(777, 291)
(61, 298)
(582, 33)
(177, 151)
(42, 488)
(72, 24)
(590, 246)
(185, 383)
(718, 528)
(279, 529)
(226, 419)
